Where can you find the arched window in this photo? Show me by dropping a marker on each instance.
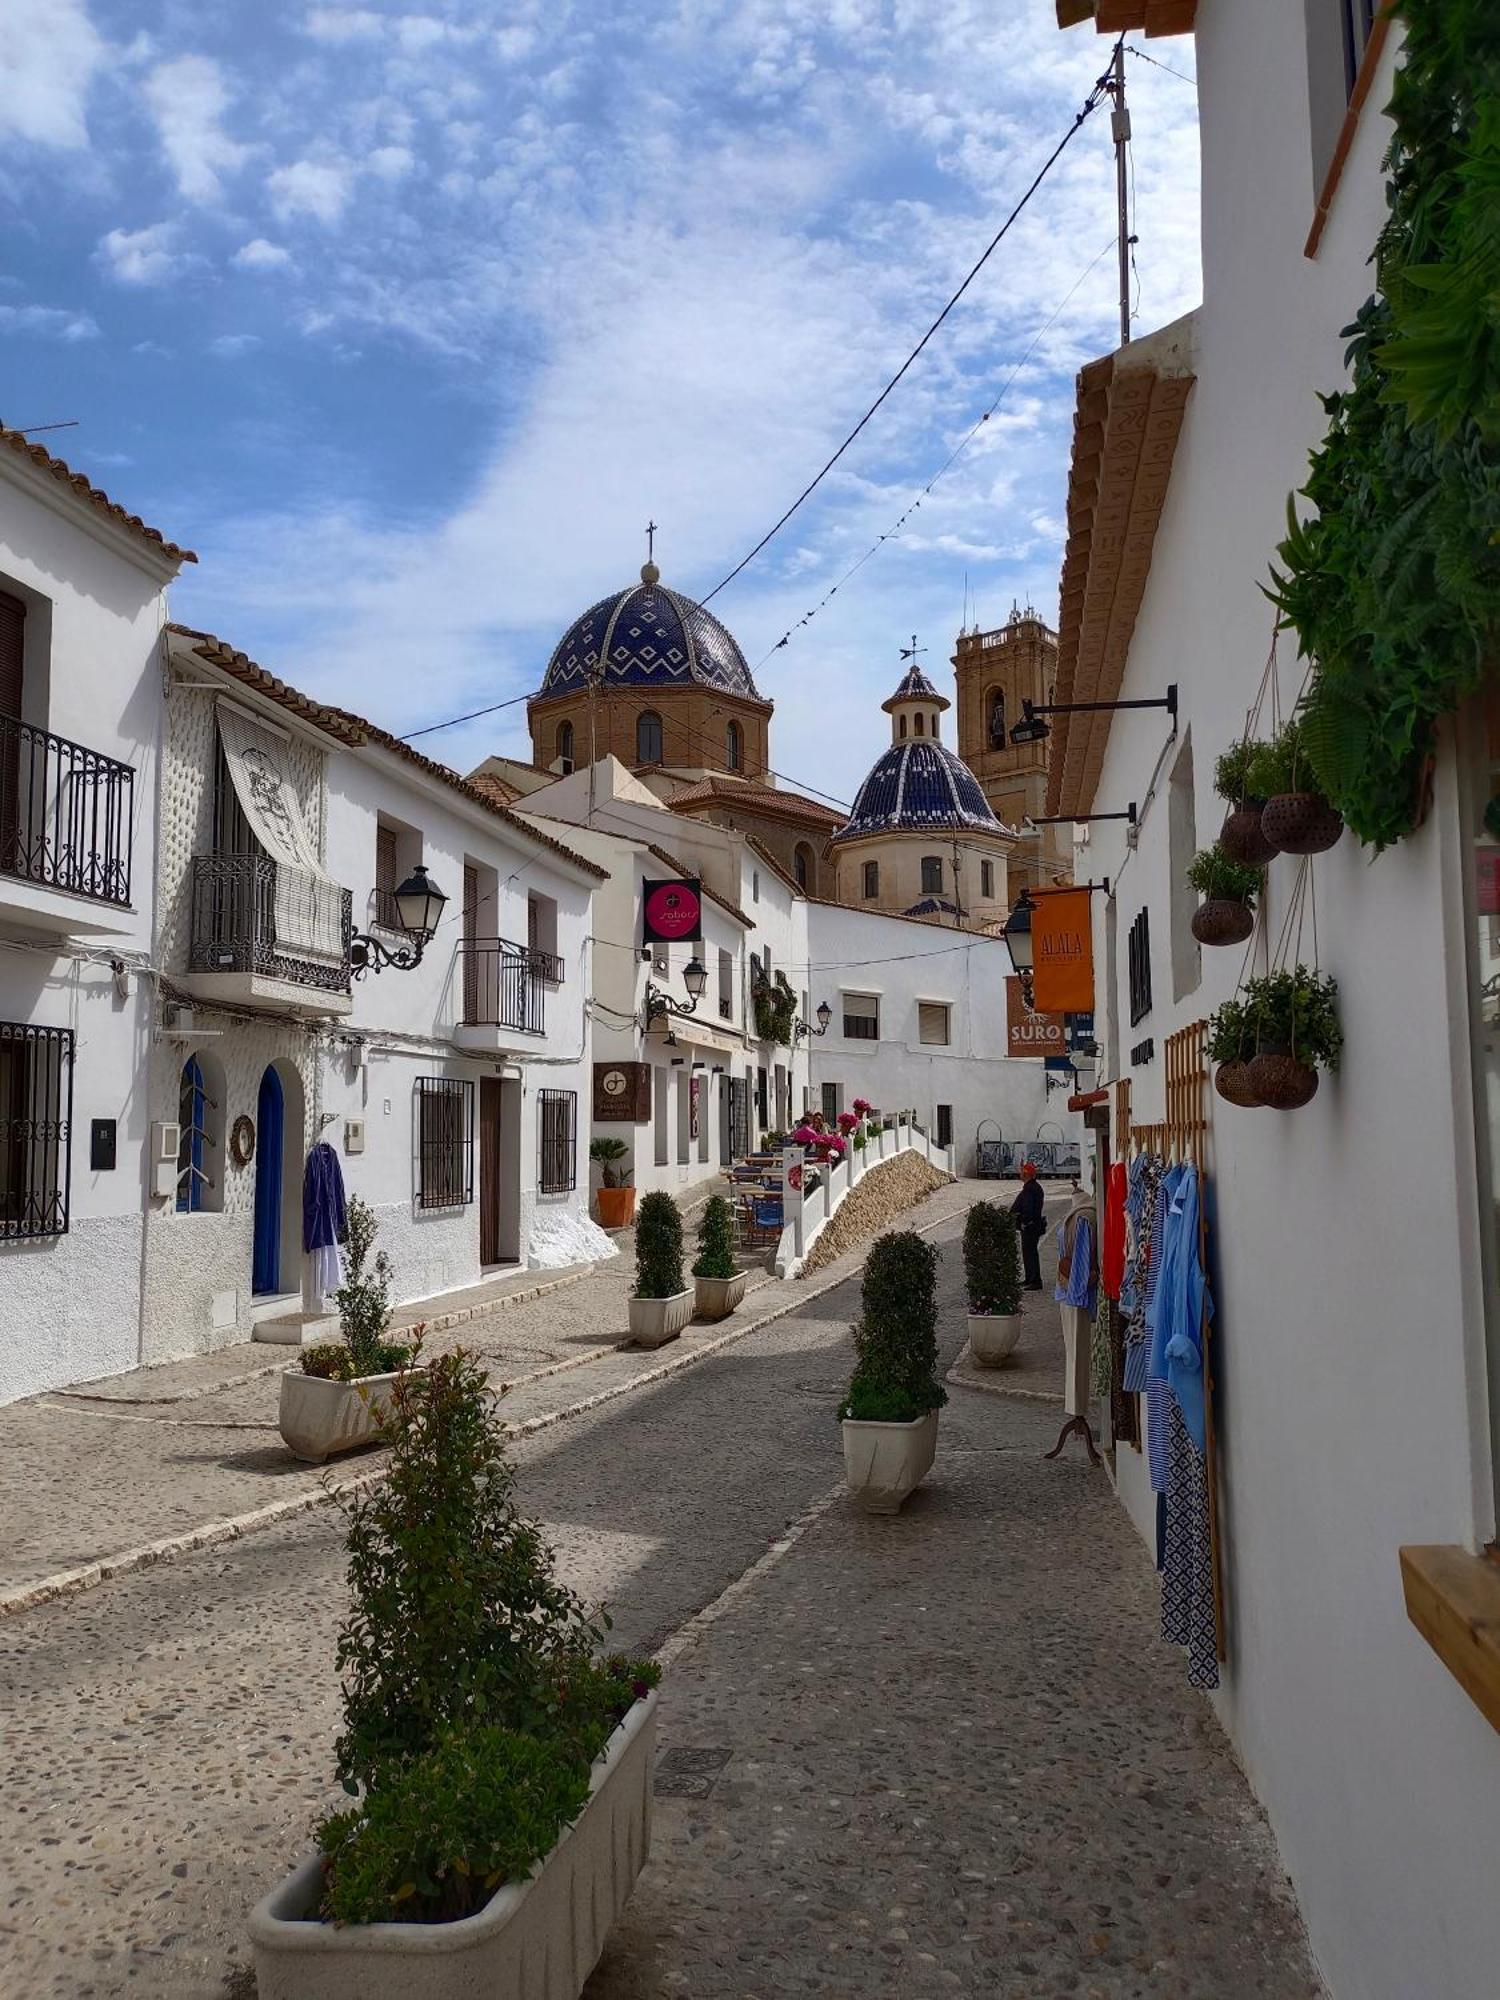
(200, 1150)
(565, 742)
(902, 725)
(936, 725)
(919, 722)
(987, 880)
(648, 737)
(872, 880)
(733, 753)
(802, 864)
(994, 707)
(932, 875)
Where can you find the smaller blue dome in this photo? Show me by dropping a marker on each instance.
(916, 787)
(916, 687)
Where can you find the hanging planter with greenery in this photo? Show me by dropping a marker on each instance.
(1393, 582)
(1294, 1017)
(1231, 1044)
(1296, 817)
(1229, 889)
(1241, 837)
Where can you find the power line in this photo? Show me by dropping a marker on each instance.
(432, 728)
(1141, 55)
(1091, 103)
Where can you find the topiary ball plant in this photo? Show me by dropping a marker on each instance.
(658, 1248)
(992, 1260)
(895, 1342)
(716, 1241)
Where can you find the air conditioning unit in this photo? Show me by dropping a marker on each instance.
(166, 1143)
(177, 1019)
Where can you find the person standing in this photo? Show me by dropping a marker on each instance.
(1031, 1222)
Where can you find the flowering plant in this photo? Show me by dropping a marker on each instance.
(805, 1135)
(862, 1107)
(847, 1122)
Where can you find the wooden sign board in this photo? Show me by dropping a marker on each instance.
(1031, 1034)
(622, 1093)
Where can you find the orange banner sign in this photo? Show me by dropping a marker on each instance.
(1028, 1034)
(1062, 943)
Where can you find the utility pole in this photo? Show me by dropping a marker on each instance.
(1120, 127)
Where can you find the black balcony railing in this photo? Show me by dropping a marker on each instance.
(66, 814)
(234, 924)
(548, 965)
(504, 986)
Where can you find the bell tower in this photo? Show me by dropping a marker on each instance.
(996, 672)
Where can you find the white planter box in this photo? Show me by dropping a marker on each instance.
(534, 1940)
(653, 1322)
(885, 1462)
(716, 1298)
(318, 1417)
(992, 1336)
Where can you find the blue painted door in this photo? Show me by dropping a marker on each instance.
(269, 1120)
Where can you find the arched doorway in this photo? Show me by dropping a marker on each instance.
(278, 1183)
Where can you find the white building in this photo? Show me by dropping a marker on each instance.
(1357, 1333)
(82, 604)
(450, 1090)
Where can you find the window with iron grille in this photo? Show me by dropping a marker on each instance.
(557, 1111)
(445, 1142)
(861, 1017)
(1140, 968)
(193, 1183)
(739, 1117)
(36, 1110)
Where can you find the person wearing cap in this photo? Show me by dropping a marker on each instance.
(1027, 1208)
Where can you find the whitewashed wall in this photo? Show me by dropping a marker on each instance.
(1353, 1414)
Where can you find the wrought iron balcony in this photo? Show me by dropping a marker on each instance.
(548, 965)
(66, 814)
(234, 925)
(504, 986)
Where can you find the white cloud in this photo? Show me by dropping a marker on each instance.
(188, 100)
(140, 256)
(391, 163)
(319, 188)
(230, 346)
(343, 24)
(52, 54)
(48, 323)
(259, 255)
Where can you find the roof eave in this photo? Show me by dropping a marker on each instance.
(1116, 17)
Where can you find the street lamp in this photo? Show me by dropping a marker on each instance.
(824, 1016)
(1018, 941)
(420, 904)
(659, 1005)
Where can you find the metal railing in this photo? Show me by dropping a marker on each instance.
(66, 814)
(503, 986)
(234, 924)
(548, 965)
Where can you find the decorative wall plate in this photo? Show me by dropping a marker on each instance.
(242, 1140)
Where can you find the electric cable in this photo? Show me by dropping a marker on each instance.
(1141, 56)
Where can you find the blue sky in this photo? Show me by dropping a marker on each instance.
(408, 320)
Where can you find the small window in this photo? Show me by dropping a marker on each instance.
(1337, 34)
(932, 875)
(945, 1124)
(987, 880)
(919, 725)
(565, 742)
(937, 725)
(557, 1112)
(802, 863)
(1140, 968)
(831, 1107)
(445, 1142)
(901, 725)
(733, 751)
(755, 887)
(648, 737)
(726, 986)
(861, 1017)
(192, 1119)
(994, 705)
(36, 1145)
(932, 1023)
(872, 880)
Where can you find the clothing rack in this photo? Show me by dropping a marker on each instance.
(1186, 1134)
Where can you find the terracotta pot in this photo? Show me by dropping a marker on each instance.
(1221, 920)
(1300, 823)
(616, 1207)
(1232, 1082)
(1281, 1080)
(1241, 837)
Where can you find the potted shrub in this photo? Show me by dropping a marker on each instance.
(1228, 888)
(616, 1197)
(336, 1400)
(1296, 1024)
(1241, 837)
(1231, 1044)
(1296, 818)
(992, 1274)
(890, 1414)
(501, 1769)
(718, 1282)
(661, 1305)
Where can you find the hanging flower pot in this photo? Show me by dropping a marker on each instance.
(1232, 1082)
(1241, 837)
(1228, 888)
(1293, 1015)
(1300, 823)
(1281, 1080)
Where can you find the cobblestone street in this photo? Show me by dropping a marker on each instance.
(948, 1751)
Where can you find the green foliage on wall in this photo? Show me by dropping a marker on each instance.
(775, 1010)
(1393, 583)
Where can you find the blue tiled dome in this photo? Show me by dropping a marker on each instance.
(917, 785)
(648, 637)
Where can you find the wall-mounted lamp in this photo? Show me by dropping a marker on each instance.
(1031, 728)
(801, 1027)
(1018, 941)
(419, 910)
(660, 1005)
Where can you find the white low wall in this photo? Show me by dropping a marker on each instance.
(807, 1215)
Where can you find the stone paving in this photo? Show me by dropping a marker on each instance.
(958, 1758)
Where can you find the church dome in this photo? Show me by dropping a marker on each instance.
(919, 786)
(647, 637)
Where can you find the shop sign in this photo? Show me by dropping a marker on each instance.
(672, 912)
(622, 1093)
(1062, 952)
(1028, 1033)
(1081, 1030)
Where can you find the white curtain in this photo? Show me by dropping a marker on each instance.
(309, 903)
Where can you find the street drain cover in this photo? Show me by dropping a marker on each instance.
(693, 1760)
(688, 1774)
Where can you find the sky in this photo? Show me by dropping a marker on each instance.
(408, 321)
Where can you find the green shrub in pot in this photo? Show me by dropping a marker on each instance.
(658, 1248)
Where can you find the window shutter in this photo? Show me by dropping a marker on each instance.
(12, 647)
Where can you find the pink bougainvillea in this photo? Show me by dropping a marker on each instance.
(847, 1122)
(862, 1108)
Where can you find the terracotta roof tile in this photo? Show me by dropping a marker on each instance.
(91, 495)
(768, 799)
(1114, 17)
(354, 730)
